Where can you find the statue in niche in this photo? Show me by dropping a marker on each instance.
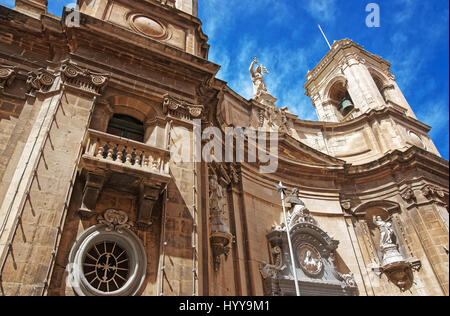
(216, 202)
(387, 237)
(259, 85)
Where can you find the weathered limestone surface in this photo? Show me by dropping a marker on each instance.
(204, 226)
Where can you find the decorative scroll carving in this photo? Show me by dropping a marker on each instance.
(39, 82)
(234, 172)
(182, 109)
(348, 278)
(115, 220)
(271, 270)
(84, 79)
(7, 76)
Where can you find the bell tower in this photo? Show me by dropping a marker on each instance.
(349, 81)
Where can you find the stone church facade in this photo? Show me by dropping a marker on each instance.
(93, 202)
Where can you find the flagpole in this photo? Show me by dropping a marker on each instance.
(320, 28)
(282, 191)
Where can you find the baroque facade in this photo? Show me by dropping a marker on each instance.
(92, 201)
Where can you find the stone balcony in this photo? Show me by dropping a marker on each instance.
(111, 162)
(115, 153)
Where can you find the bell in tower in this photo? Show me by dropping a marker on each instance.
(349, 82)
(346, 106)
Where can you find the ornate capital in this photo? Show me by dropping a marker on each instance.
(7, 76)
(40, 82)
(182, 109)
(83, 79)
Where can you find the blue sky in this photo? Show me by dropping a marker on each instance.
(413, 36)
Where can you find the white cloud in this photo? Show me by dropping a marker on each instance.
(322, 10)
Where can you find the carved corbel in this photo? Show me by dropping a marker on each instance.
(7, 76)
(148, 196)
(91, 192)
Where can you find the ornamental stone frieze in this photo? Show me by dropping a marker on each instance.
(7, 76)
(181, 109)
(83, 79)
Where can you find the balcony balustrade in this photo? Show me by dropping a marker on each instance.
(127, 153)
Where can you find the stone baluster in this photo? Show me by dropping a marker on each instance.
(167, 168)
(119, 153)
(138, 158)
(110, 152)
(128, 157)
